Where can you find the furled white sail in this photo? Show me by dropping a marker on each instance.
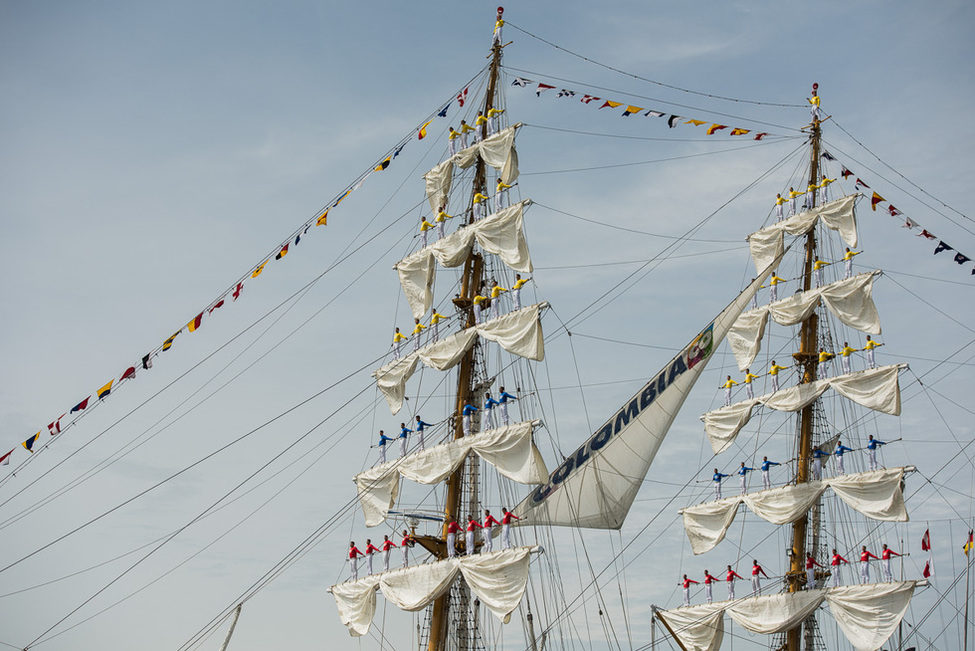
(769, 243)
(867, 614)
(501, 233)
(850, 300)
(518, 332)
(498, 579)
(876, 494)
(595, 486)
(875, 388)
(509, 449)
(498, 151)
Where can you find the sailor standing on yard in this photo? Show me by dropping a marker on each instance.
(840, 449)
(727, 390)
(779, 203)
(452, 139)
(743, 476)
(865, 557)
(793, 195)
(766, 480)
(748, 383)
(506, 518)
(824, 357)
(479, 211)
(835, 564)
(425, 227)
(406, 543)
(811, 195)
(773, 285)
(472, 524)
(420, 426)
(354, 555)
(501, 194)
(489, 523)
(872, 445)
(418, 329)
(370, 550)
(492, 120)
(811, 571)
(487, 416)
(496, 291)
(716, 478)
(814, 105)
(846, 352)
(708, 580)
(503, 403)
(466, 422)
(464, 130)
(383, 440)
(885, 555)
(387, 550)
(516, 291)
(686, 583)
(824, 189)
(435, 319)
(480, 126)
(404, 432)
(818, 271)
(756, 580)
(452, 529)
(398, 339)
(868, 347)
(478, 299)
(817, 465)
(441, 220)
(498, 24)
(774, 372)
(730, 578)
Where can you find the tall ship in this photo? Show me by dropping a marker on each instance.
(751, 488)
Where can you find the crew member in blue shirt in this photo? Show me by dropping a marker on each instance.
(872, 445)
(743, 476)
(420, 426)
(468, 410)
(840, 449)
(817, 465)
(383, 440)
(766, 464)
(716, 478)
(487, 419)
(503, 402)
(403, 434)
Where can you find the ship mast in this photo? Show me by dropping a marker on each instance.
(470, 285)
(808, 358)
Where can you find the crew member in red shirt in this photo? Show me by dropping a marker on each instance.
(686, 583)
(506, 518)
(886, 554)
(489, 522)
(452, 530)
(406, 544)
(370, 550)
(730, 578)
(865, 557)
(472, 524)
(811, 565)
(835, 563)
(708, 580)
(756, 580)
(354, 555)
(387, 549)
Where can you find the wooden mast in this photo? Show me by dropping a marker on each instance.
(470, 284)
(808, 358)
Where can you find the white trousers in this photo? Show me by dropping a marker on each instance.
(717, 490)
(488, 542)
(440, 229)
(369, 562)
(864, 571)
(687, 596)
(516, 298)
(773, 292)
(792, 206)
(435, 331)
(386, 560)
(402, 447)
(837, 581)
(754, 303)
(742, 481)
(499, 200)
(872, 459)
(451, 545)
(731, 589)
(467, 425)
(452, 145)
(354, 562)
(497, 37)
(870, 359)
(810, 578)
(396, 350)
(416, 342)
(823, 195)
(477, 313)
(888, 575)
(817, 469)
(504, 413)
(778, 212)
(848, 268)
(749, 391)
(423, 236)
(487, 419)
(756, 584)
(382, 453)
(818, 277)
(839, 464)
(766, 480)
(406, 555)
(707, 592)
(470, 543)
(506, 536)
(495, 307)
(419, 437)
(727, 396)
(479, 210)
(847, 366)
(463, 140)
(775, 383)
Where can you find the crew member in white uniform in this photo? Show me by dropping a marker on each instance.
(730, 577)
(748, 383)
(774, 372)
(743, 476)
(500, 195)
(727, 390)
(716, 478)
(686, 584)
(387, 550)
(766, 479)
(477, 308)
(487, 415)
(398, 339)
(452, 529)
(425, 228)
(848, 260)
(868, 347)
(516, 291)
(756, 579)
(835, 564)
(708, 580)
(492, 124)
(779, 207)
(503, 403)
(452, 139)
(489, 523)
(818, 271)
(811, 571)
(404, 432)
(472, 524)
(441, 220)
(383, 440)
(418, 329)
(479, 211)
(420, 426)
(435, 325)
(845, 353)
(496, 291)
(480, 126)
(406, 543)
(498, 24)
(814, 105)
(354, 555)
(865, 557)
(872, 445)
(370, 550)
(885, 555)
(466, 422)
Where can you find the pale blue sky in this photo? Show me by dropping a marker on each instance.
(150, 154)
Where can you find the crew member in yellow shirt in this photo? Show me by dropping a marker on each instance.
(425, 226)
(814, 105)
(793, 195)
(848, 259)
(774, 372)
(398, 339)
(846, 352)
(773, 284)
(492, 124)
(811, 196)
(441, 220)
(435, 319)
(477, 308)
(779, 203)
(727, 390)
(496, 291)
(498, 24)
(418, 329)
(824, 357)
(464, 130)
(818, 271)
(748, 383)
(480, 126)
(479, 200)
(516, 291)
(453, 137)
(501, 195)
(824, 189)
(869, 346)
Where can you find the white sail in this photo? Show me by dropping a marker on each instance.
(497, 151)
(876, 494)
(769, 243)
(510, 449)
(498, 579)
(501, 233)
(518, 332)
(850, 300)
(875, 388)
(595, 486)
(867, 614)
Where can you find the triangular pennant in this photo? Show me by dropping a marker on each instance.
(442, 113)
(845, 173)
(924, 233)
(893, 211)
(542, 88)
(129, 374)
(673, 120)
(29, 444)
(942, 246)
(258, 270)
(760, 135)
(961, 258)
(421, 134)
(588, 99)
(714, 128)
(566, 93)
(519, 81)
(909, 223)
(5, 459)
(696, 123)
(630, 110)
(611, 104)
(383, 165)
(283, 252)
(874, 200)
(654, 114)
(738, 131)
(323, 220)
(828, 156)
(81, 406)
(858, 183)
(169, 342)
